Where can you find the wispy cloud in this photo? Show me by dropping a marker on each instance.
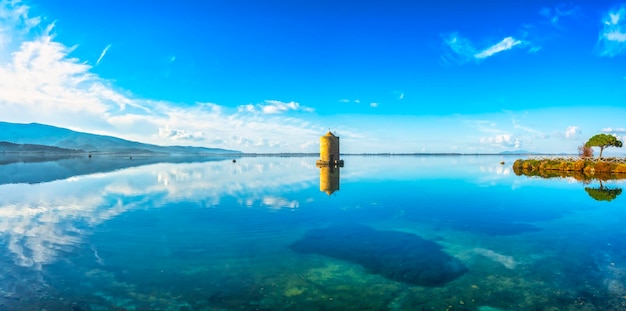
(555, 14)
(614, 130)
(536, 134)
(504, 45)
(612, 38)
(14, 22)
(277, 107)
(462, 50)
(104, 52)
(373, 105)
(346, 101)
(398, 94)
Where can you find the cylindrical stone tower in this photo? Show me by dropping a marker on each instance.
(329, 151)
(329, 148)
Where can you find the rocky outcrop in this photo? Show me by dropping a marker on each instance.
(613, 168)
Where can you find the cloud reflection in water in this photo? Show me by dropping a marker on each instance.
(40, 221)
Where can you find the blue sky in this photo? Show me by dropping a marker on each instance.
(272, 76)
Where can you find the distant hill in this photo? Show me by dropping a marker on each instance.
(518, 152)
(34, 137)
(11, 147)
(524, 152)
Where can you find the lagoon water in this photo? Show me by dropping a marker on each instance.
(399, 233)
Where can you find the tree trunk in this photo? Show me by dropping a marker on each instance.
(600, 156)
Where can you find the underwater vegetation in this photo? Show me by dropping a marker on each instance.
(398, 256)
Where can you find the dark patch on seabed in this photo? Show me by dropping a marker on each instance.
(399, 256)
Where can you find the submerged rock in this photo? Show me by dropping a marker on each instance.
(398, 256)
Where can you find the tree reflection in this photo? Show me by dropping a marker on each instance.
(603, 193)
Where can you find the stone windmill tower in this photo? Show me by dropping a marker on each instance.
(329, 151)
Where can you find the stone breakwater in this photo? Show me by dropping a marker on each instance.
(609, 168)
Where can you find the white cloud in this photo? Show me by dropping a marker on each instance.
(572, 132)
(373, 105)
(40, 82)
(102, 54)
(180, 134)
(612, 38)
(502, 141)
(504, 45)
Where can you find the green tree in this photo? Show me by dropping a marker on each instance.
(603, 141)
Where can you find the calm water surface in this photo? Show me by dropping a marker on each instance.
(399, 233)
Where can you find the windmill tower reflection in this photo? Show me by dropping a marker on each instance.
(329, 163)
(329, 179)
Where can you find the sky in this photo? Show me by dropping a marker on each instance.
(268, 76)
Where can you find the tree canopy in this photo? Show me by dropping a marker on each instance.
(603, 141)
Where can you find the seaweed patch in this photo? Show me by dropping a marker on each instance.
(398, 256)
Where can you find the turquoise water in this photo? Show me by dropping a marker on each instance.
(400, 233)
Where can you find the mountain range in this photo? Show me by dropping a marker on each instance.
(35, 137)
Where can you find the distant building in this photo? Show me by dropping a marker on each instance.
(329, 151)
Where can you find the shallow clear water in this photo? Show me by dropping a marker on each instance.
(400, 233)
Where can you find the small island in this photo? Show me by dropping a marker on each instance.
(585, 166)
